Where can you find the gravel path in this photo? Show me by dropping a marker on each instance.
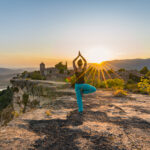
(108, 123)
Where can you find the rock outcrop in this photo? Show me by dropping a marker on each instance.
(32, 93)
(29, 94)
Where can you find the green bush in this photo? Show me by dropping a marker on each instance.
(121, 70)
(115, 83)
(6, 97)
(144, 70)
(99, 84)
(132, 87)
(148, 74)
(36, 76)
(144, 86)
(6, 115)
(15, 89)
(134, 77)
(25, 100)
(73, 80)
(24, 74)
(110, 71)
(61, 67)
(130, 81)
(109, 83)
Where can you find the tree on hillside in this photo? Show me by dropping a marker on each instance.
(121, 70)
(144, 70)
(61, 67)
(36, 75)
(110, 71)
(134, 77)
(24, 74)
(6, 97)
(25, 98)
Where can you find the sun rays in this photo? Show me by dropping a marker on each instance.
(98, 72)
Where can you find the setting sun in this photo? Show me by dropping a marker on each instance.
(98, 55)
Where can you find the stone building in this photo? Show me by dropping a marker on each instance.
(53, 73)
(51, 70)
(42, 68)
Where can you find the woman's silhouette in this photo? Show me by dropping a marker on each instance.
(80, 86)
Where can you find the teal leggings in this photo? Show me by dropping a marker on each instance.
(85, 89)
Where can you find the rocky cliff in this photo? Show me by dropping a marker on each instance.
(30, 94)
(35, 93)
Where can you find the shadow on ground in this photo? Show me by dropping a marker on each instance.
(140, 109)
(60, 137)
(67, 135)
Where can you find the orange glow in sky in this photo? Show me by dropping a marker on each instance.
(33, 31)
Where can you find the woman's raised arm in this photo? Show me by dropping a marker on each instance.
(74, 63)
(85, 62)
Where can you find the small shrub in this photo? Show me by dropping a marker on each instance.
(134, 77)
(24, 74)
(36, 76)
(6, 115)
(132, 87)
(25, 100)
(61, 67)
(100, 84)
(115, 83)
(110, 71)
(15, 89)
(130, 81)
(48, 112)
(34, 103)
(121, 70)
(15, 114)
(68, 79)
(148, 74)
(144, 70)
(21, 111)
(73, 80)
(144, 86)
(120, 93)
(6, 97)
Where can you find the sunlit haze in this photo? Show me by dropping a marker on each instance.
(35, 31)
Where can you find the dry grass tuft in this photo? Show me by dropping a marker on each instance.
(48, 113)
(120, 93)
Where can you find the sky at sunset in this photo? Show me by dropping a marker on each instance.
(32, 31)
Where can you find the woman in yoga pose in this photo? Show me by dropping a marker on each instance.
(80, 86)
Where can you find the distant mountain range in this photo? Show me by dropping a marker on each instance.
(129, 64)
(7, 73)
(4, 71)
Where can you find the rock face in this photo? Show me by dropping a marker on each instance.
(35, 93)
(29, 94)
(108, 123)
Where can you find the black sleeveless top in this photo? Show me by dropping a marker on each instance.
(79, 77)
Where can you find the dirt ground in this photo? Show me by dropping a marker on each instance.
(108, 123)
